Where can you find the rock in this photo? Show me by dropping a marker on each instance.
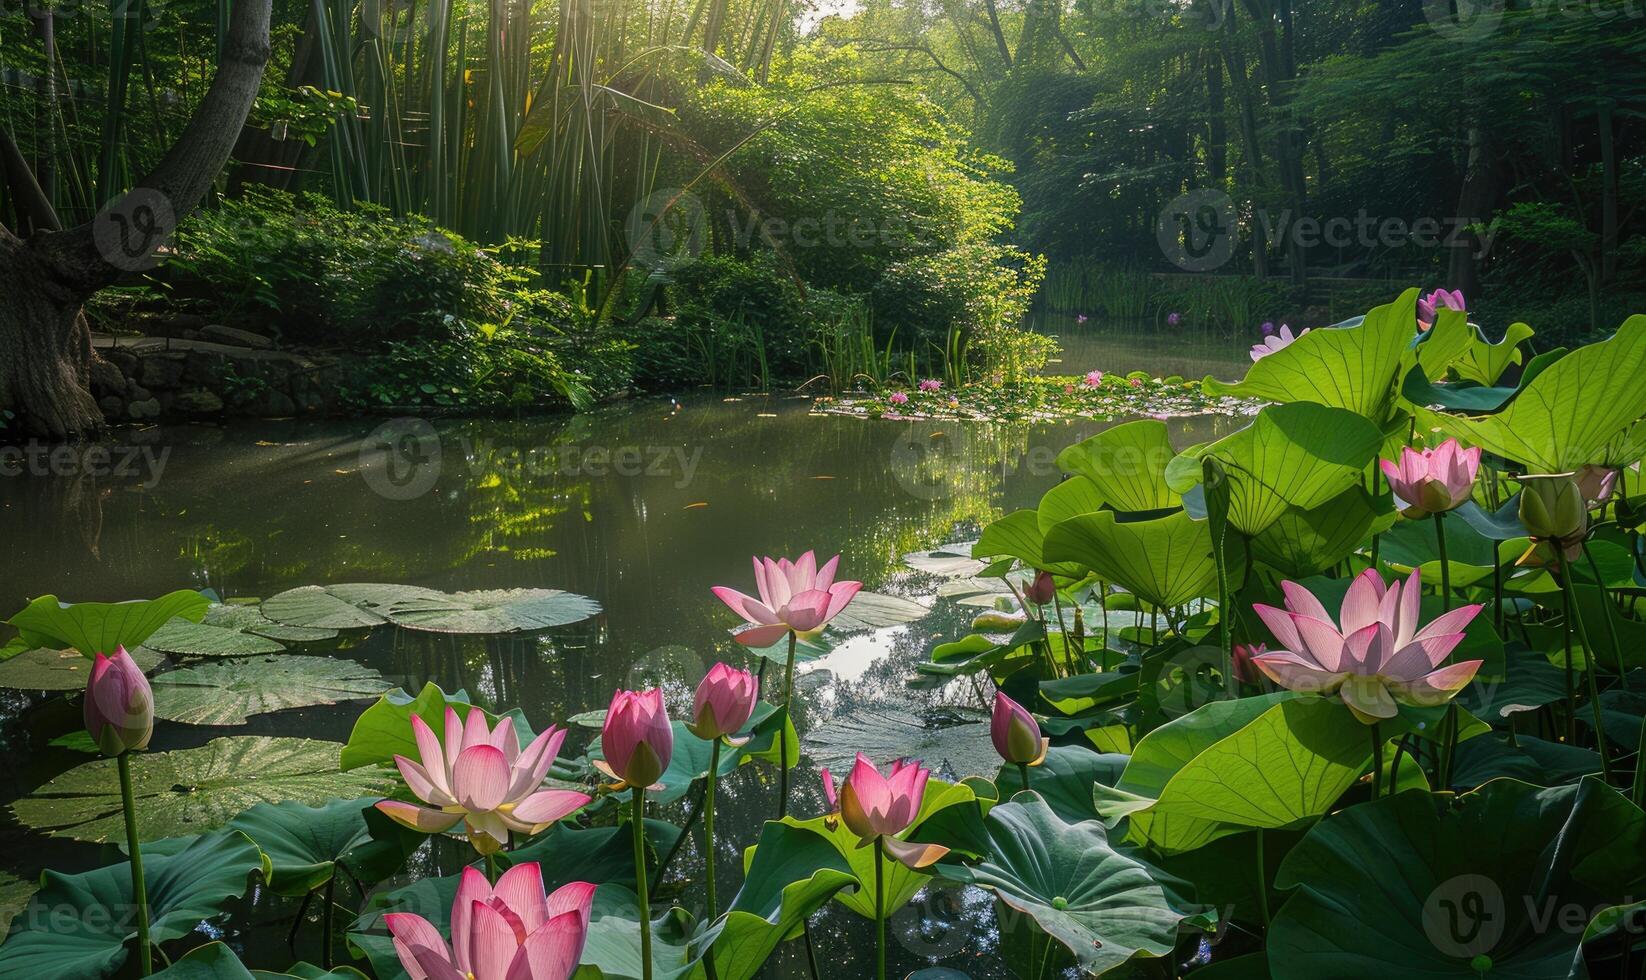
(148, 408)
(198, 402)
(204, 368)
(218, 333)
(125, 360)
(161, 371)
(106, 377)
(112, 406)
(269, 404)
(307, 395)
(136, 392)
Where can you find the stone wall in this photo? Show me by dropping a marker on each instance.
(220, 372)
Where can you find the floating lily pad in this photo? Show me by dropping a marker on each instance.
(949, 561)
(82, 926)
(876, 610)
(250, 619)
(14, 896)
(190, 791)
(201, 640)
(314, 607)
(958, 745)
(493, 611)
(227, 692)
(45, 669)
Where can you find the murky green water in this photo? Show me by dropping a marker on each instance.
(643, 506)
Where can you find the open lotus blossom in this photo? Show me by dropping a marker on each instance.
(724, 702)
(898, 398)
(931, 385)
(1430, 306)
(511, 932)
(480, 776)
(1173, 319)
(795, 596)
(877, 808)
(1375, 655)
(1016, 734)
(119, 705)
(1276, 342)
(1433, 481)
(1093, 379)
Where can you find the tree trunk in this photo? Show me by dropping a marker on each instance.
(45, 344)
(1475, 200)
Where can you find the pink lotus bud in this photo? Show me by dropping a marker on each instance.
(1041, 590)
(119, 704)
(1433, 481)
(1245, 671)
(636, 740)
(724, 702)
(1015, 733)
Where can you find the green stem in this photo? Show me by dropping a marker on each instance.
(1394, 764)
(1023, 771)
(641, 889)
(1377, 761)
(1445, 566)
(491, 868)
(1497, 592)
(327, 912)
(140, 895)
(879, 914)
(1639, 789)
(1606, 611)
(1571, 681)
(1262, 881)
(1449, 727)
(708, 828)
(1572, 618)
(783, 731)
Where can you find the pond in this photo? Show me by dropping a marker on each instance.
(642, 506)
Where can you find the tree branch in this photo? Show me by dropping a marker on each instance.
(34, 210)
(80, 257)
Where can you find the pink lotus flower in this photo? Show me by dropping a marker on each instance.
(1041, 590)
(724, 702)
(636, 740)
(1081, 318)
(1276, 342)
(898, 398)
(119, 704)
(1093, 378)
(1068, 389)
(1267, 328)
(1241, 661)
(1595, 483)
(795, 596)
(1379, 655)
(481, 778)
(877, 809)
(1433, 481)
(511, 932)
(931, 385)
(1016, 734)
(1173, 319)
(1136, 382)
(1441, 299)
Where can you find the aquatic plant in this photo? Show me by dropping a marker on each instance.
(508, 931)
(637, 744)
(723, 703)
(1016, 736)
(119, 712)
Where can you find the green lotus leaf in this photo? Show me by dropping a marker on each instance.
(1353, 368)
(1418, 886)
(1276, 762)
(190, 791)
(83, 926)
(187, 639)
(213, 961)
(876, 611)
(490, 612)
(1299, 455)
(1411, 544)
(1104, 906)
(1166, 561)
(1529, 759)
(950, 561)
(316, 607)
(1304, 542)
(1065, 779)
(46, 669)
(790, 873)
(1017, 535)
(1484, 362)
(228, 691)
(613, 944)
(384, 730)
(305, 845)
(100, 627)
(250, 619)
(1569, 414)
(1070, 498)
(14, 896)
(1125, 465)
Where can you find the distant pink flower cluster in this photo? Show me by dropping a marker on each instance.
(931, 385)
(1093, 379)
(898, 398)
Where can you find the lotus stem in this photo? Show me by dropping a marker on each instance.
(1573, 619)
(1445, 566)
(327, 912)
(1023, 772)
(1639, 790)
(1377, 760)
(1262, 881)
(879, 914)
(783, 731)
(1394, 764)
(139, 893)
(1606, 612)
(708, 828)
(641, 889)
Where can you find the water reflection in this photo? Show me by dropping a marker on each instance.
(643, 507)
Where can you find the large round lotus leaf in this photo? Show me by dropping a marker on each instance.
(1419, 886)
(14, 895)
(46, 669)
(227, 692)
(492, 611)
(250, 619)
(79, 927)
(1104, 906)
(314, 607)
(306, 845)
(200, 640)
(949, 561)
(876, 610)
(100, 627)
(189, 791)
(958, 746)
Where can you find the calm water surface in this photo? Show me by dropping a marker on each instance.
(643, 506)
